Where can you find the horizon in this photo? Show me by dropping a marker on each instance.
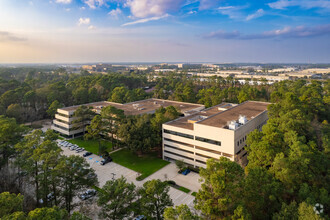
(171, 31)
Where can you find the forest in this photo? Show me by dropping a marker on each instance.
(286, 178)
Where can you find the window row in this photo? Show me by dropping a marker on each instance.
(179, 142)
(241, 140)
(179, 149)
(179, 155)
(208, 140)
(208, 150)
(179, 134)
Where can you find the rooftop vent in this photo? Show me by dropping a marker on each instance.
(242, 119)
(233, 125)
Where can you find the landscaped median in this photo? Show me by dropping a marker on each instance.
(181, 188)
(146, 164)
(91, 145)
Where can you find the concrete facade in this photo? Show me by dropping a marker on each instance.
(219, 131)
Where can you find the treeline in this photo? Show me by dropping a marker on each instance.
(38, 182)
(27, 96)
(287, 176)
(209, 91)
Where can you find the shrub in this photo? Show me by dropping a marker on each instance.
(180, 165)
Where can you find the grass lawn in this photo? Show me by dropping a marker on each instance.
(146, 165)
(183, 189)
(91, 145)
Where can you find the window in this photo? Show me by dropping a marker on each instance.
(179, 134)
(227, 155)
(208, 141)
(199, 161)
(208, 150)
(179, 142)
(63, 115)
(188, 158)
(201, 155)
(65, 122)
(63, 128)
(176, 148)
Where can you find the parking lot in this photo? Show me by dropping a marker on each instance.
(112, 170)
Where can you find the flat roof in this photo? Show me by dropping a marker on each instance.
(249, 109)
(220, 115)
(184, 122)
(142, 106)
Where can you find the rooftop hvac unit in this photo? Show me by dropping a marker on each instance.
(155, 103)
(233, 125)
(242, 119)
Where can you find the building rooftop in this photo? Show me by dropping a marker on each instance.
(249, 109)
(188, 121)
(220, 115)
(141, 107)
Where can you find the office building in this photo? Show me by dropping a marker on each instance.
(219, 131)
(63, 122)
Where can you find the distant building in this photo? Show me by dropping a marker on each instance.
(63, 122)
(219, 131)
(97, 68)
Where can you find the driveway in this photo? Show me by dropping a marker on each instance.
(113, 170)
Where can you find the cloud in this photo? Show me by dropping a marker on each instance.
(84, 21)
(287, 32)
(206, 4)
(233, 12)
(144, 20)
(306, 4)
(115, 13)
(226, 7)
(63, 1)
(94, 3)
(257, 14)
(91, 27)
(6, 36)
(155, 8)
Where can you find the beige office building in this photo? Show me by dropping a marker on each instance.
(219, 131)
(63, 122)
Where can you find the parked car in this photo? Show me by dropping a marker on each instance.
(87, 154)
(185, 172)
(88, 194)
(106, 160)
(80, 150)
(140, 217)
(50, 197)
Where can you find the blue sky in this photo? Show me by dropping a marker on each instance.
(36, 31)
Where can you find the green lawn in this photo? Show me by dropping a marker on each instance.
(146, 165)
(183, 189)
(91, 145)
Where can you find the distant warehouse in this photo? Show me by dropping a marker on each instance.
(219, 131)
(63, 122)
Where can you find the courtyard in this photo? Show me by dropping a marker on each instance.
(114, 170)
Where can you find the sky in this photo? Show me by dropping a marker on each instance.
(215, 31)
